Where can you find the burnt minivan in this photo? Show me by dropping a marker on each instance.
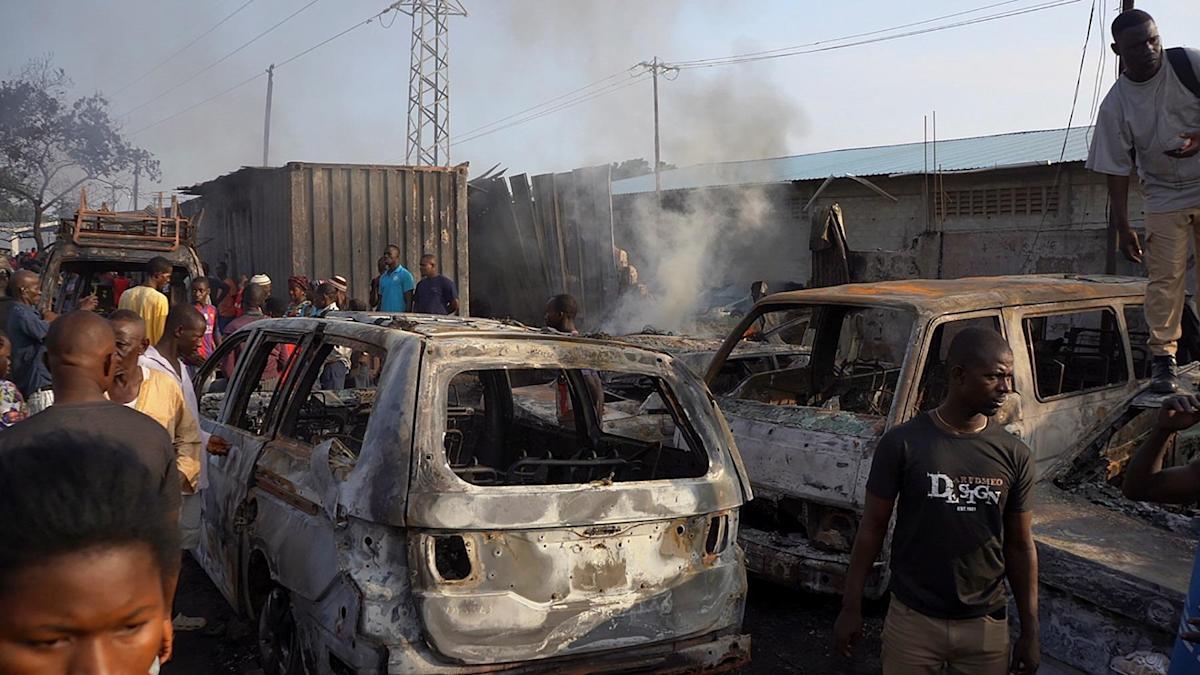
(388, 505)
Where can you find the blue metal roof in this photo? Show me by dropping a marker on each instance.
(1025, 148)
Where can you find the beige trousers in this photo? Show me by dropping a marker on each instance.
(1167, 237)
(915, 644)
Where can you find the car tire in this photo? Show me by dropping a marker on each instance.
(281, 651)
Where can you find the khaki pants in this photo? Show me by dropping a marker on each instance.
(915, 644)
(1167, 237)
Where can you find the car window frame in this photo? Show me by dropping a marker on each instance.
(909, 410)
(212, 363)
(1118, 312)
(241, 394)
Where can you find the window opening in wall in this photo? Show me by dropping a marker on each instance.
(1030, 200)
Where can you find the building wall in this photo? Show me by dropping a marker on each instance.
(987, 223)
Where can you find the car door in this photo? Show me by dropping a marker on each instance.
(239, 389)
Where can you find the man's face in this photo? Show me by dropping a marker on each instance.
(200, 294)
(56, 618)
(428, 268)
(30, 290)
(393, 258)
(1141, 50)
(296, 293)
(982, 387)
(189, 339)
(131, 343)
(161, 280)
(5, 359)
(554, 317)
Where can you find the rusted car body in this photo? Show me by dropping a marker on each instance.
(97, 242)
(452, 533)
(807, 435)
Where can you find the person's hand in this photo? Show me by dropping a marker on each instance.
(1179, 413)
(167, 648)
(1026, 655)
(89, 303)
(49, 316)
(1192, 636)
(218, 446)
(1129, 244)
(846, 631)
(1191, 145)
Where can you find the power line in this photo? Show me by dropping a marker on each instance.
(210, 66)
(1066, 134)
(549, 101)
(812, 49)
(182, 49)
(612, 88)
(254, 77)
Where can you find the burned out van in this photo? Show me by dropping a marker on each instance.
(389, 505)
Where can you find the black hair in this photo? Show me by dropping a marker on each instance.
(273, 307)
(973, 347)
(1129, 19)
(392, 247)
(158, 265)
(565, 304)
(183, 315)
(62, 495)
(357, 305)
(254, 296)
(428, 256)
(124, 315)
(201, 280)
(326, 289)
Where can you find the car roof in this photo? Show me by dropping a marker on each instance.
(428, 326)
(942, 296)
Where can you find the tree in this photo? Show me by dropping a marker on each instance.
(50, 147)
(635, 167)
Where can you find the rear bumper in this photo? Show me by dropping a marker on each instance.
(712, 653)
(790, 560)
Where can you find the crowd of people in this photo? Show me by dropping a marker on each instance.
(102, 457)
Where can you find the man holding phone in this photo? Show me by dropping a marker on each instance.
(1150, 120)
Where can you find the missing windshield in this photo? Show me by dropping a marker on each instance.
(554, 427)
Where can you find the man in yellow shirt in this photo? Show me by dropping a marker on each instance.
(148, 301)
(158, 396)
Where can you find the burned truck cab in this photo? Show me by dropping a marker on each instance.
(417, 494)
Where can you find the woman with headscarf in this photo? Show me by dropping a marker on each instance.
(298, 302)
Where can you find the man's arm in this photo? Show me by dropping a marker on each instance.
(408, 301)
(1145, 478)
(1020, 565)
(868, 542)
(1118, 217)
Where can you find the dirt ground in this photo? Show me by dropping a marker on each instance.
(790, 631)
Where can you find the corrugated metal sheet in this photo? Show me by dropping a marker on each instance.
(325, 219)
(960, 154)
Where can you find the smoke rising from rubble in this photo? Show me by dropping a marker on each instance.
(684, 248)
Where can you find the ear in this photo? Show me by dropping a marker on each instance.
(1116, 49)
(957, 373)
(110, 362)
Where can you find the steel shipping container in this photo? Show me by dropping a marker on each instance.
(320, 220)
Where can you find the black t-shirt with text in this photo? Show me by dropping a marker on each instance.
(952, 492)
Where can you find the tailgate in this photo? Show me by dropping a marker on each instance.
(502, 596)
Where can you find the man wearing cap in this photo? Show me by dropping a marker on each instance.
(262, 280)
(343, 290)
(396, 285)
(298, 303)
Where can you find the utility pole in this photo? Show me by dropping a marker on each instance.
(267, 117)
(428, 131)
(137, 173)
(657, 67)
(1114, 238)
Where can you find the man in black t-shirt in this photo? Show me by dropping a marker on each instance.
(961, 488)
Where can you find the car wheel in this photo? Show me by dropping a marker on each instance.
(279, 645)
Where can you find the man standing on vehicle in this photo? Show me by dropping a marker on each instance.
(1151, 119)
(395, 285)
(148, 301)
(435, 293)
(961, 487)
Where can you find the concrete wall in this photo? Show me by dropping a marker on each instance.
(1070, 239)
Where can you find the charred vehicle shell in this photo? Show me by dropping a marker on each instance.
(387, 506)
(807, 434)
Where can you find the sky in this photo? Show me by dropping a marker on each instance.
(347, 100)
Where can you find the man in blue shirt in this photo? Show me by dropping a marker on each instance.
(396, 284)
(435, 293)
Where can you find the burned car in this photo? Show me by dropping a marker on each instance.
(102, 252)
(807, 434)
(387, 507)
